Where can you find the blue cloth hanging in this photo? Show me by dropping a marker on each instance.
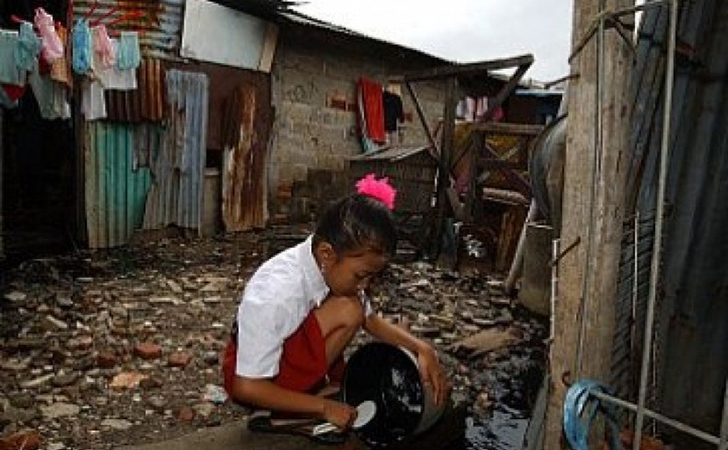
(82, 49)
(128, 55)
(29, 45)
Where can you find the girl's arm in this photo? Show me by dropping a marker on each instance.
(430, 369)
(266, 394)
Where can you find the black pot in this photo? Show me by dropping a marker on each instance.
(389, 376)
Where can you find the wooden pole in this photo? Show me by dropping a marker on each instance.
(594, 178)
(446, 150)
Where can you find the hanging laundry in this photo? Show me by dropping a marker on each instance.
(14, 92)
(93, 105)
(50, 95)
(372, 110)
(393, 110)
(82, 47)
(128, 55)
(114, 78)
(6, 101)
(9, 71)
(103, 48)
(52, 47)
(28, 48)
(60, 69)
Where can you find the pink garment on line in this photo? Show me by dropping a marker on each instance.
(103, 47)
(51, 47)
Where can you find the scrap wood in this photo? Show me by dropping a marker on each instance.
(486, 341)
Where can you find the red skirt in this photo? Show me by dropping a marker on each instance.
(303, 366)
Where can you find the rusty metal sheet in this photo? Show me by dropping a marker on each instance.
(160, 24)
(176, 193)
(147, 103)
(116, 190)
(245, 132)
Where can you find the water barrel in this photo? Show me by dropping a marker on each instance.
(389, 376)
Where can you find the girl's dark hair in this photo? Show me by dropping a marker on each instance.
(355, 222)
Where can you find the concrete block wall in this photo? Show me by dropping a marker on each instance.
(314, 99)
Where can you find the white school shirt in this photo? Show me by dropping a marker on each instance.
(277, 299)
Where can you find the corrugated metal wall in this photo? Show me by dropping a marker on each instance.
(176, 194)
(160, 25)
(116, 190)
(691, 330)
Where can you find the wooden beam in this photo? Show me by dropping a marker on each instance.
(593, 207)
(509, 128)
(477, 68)
(446, 150)
(423, 118)
(506, 90)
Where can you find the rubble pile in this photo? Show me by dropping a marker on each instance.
(101, 349)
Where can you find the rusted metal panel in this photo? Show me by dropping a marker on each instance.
(143, 104)
(116, 190)
(159, 25)
(176, 194)
(245, 130)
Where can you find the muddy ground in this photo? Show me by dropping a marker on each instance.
(107, 348)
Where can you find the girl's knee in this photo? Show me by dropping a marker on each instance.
(350, 312)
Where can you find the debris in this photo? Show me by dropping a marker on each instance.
(486, 341)
(179, 359)
(22, 440)
(148, 351)
(15, 296)
(60, 409)
(117, 424)
(127, 380)
(214, 394)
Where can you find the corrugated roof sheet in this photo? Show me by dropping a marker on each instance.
(392, 154)
(176, 194)
(143, 104)
(160, 25)
(116, 190)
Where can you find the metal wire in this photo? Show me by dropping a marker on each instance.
(657, 244)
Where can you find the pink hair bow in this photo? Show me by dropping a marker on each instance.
(377, 189)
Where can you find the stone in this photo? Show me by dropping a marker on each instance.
(59, 409)
(174, 286)
(64, 379)
(34, 383)
(186, 414)
(15, 296)
(157, 402)
(117, 424)
(148, 351)
(211, 358)
(127, 380)
(179, 359)
(106, 360)
(52, 323)
(22, 440)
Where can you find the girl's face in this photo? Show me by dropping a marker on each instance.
(348, 273)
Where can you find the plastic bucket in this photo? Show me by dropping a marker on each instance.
(390, 377)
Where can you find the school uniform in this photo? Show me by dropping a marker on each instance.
(276, 335)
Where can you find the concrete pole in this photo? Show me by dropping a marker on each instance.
(596, 154)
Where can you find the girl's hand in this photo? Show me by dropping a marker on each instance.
(340, 414)
(432, 374)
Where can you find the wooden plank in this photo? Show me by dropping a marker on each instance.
(583, 318)
(423, 118)
(509, 128)
(476, 68)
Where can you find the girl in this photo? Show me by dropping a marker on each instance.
(302, 307)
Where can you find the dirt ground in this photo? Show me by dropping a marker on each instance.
(100, 349)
